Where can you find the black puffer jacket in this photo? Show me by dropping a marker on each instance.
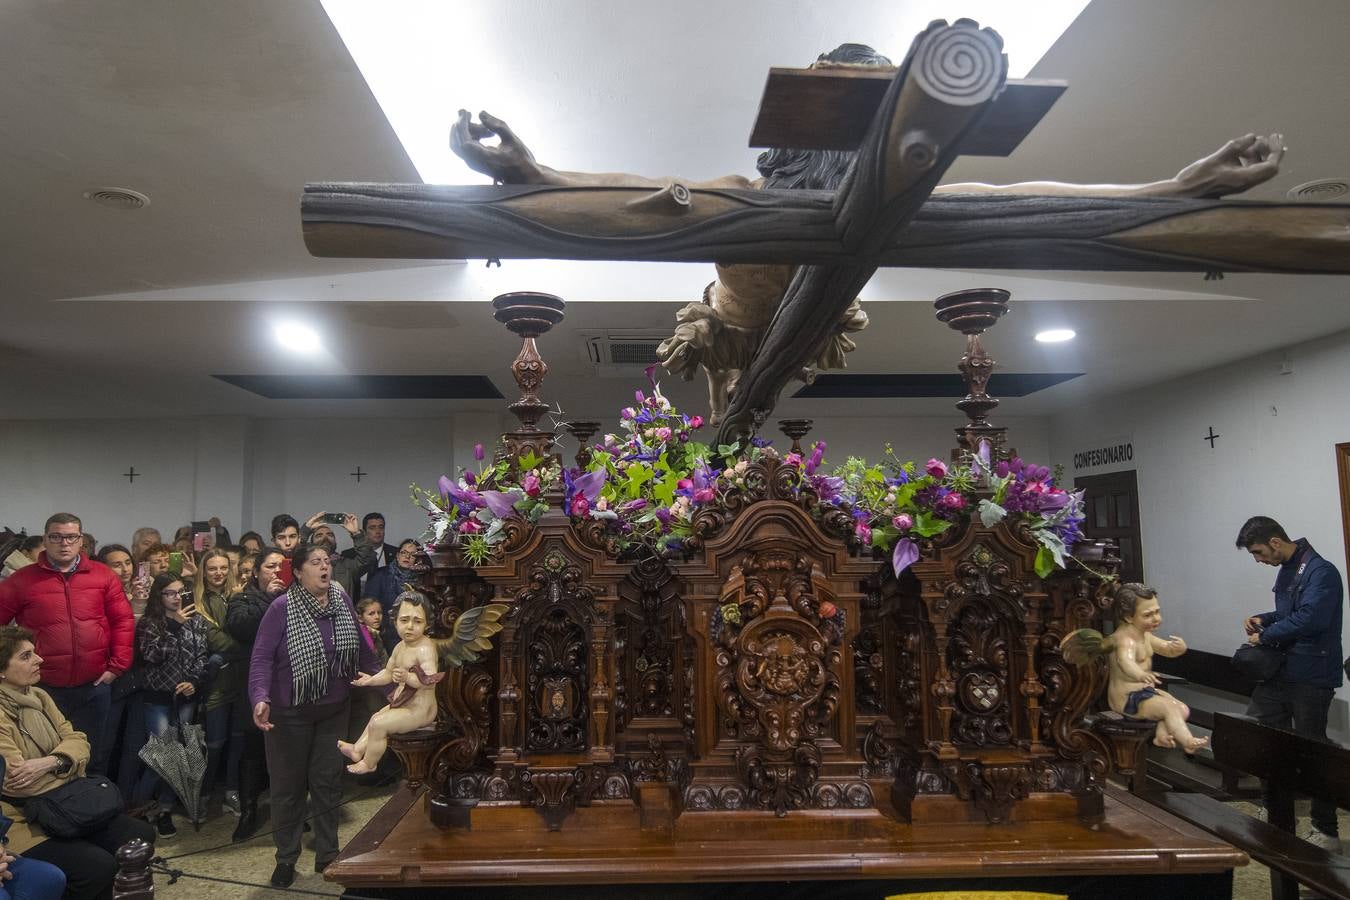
(244, 613)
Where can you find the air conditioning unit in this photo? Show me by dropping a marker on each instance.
(617, 354)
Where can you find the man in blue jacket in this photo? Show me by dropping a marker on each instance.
(1306, 625)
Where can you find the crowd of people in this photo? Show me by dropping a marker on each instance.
(257, 642)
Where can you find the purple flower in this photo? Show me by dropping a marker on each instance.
(817, 454)
(469, 478)
(828, 488)
(465, 498)
(906, 553)
(953, 501)
(1001, 468)
(587, 485)
(478, 452)
(635, 505)
(502, 504)
(760, 442)
(903, 522)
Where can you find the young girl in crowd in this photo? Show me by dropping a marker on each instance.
(171, 644)
(243, 573)
(227, 667)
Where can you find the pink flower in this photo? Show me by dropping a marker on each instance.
(470, 526)
(903, 522)
(531, 485)
(580, 505)
(937, 468)
(793, 459)
(703, 495)
(663, 433)
(696, 422)
(953, 501)
(628, 412)
(863, 531)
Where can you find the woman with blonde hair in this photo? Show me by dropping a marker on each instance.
(226, 673)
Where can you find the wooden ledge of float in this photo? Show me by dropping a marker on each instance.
(604, 845)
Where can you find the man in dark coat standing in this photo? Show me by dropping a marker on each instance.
(1306, 625)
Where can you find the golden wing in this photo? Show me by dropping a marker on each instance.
(1081, 647)
(471, 633)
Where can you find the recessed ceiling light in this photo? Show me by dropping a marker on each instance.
(1056, 335)
(296, 337)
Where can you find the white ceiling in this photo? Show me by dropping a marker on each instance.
(221, 112)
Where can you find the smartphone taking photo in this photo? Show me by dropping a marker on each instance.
(176, 562)
(334, 519)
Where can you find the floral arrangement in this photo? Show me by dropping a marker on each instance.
(647, 483)
(471, 511)
(896, 504)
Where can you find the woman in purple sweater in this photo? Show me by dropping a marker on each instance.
(307, 651)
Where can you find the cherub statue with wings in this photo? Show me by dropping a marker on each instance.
(1133, 688)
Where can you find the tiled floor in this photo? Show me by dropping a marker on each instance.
(210, 854)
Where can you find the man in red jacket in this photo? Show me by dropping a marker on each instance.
(76, 609)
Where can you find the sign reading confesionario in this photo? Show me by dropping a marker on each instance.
(1115, 452)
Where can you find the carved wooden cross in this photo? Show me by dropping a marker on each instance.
(945, 96)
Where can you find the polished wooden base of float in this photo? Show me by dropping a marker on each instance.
(1138, 848)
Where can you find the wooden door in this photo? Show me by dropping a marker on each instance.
(1343, 478)
(1112, 506)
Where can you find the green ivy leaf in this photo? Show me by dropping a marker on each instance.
(664, 490)
(926, 525)
(530, 460)
(1045, 562)
(884, 537)
(728, 450)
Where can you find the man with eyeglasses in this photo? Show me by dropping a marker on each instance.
(83, 627)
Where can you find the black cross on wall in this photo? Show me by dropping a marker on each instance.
(130, 475)
(1211, 437)
(358, 474)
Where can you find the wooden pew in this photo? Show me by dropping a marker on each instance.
(1293, 765)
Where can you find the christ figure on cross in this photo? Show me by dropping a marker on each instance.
(722, 332)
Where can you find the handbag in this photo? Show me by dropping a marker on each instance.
(1258, 662)
(77, 808)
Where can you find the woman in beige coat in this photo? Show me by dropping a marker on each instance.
(43, 751)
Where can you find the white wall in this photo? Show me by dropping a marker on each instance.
(1275, 456)
(241, 470)
(246, 470)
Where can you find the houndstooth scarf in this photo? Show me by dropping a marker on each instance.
(309, 673)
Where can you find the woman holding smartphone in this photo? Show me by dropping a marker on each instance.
(227, 671)
(171, 645)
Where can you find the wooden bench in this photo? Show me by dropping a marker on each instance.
(1293, 765)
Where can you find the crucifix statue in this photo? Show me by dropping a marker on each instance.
(850, 184)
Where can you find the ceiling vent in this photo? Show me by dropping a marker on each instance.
(620, 354)
(117, 198)
(1320, 190)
